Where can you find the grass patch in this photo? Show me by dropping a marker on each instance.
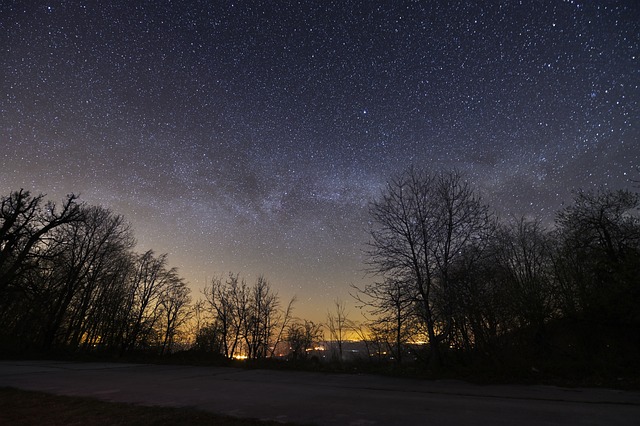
(19, 407)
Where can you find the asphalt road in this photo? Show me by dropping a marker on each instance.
(326, 399)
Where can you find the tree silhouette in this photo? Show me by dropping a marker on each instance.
(338, 324)
(421, 225)
(24, 222)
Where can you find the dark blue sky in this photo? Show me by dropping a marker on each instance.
(249, 136)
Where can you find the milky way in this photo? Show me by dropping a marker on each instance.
(250, 136)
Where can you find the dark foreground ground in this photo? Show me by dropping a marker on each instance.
(325, 399)
(28, 408)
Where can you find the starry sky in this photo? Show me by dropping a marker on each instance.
(250, 136)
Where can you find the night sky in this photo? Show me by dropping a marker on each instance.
(249, 136)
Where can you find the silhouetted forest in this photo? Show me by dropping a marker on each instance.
(453, 286)
(504, 294)
(69, 279)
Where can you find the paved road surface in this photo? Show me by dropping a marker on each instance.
(326, 399)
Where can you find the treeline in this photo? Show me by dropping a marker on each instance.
(70, 280)
(236, 320)
(479, 289)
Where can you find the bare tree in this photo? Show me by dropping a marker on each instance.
(174, 300)
(422, 223)
(338, 325)
(108, 313)
(144, 304)
(249, 318)
(281, 323)
(260, 322)
(301, 337)
(390, 305)
(24, 222)
(227, 302)
(364, 333)
(86, 254)
(198, 317)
